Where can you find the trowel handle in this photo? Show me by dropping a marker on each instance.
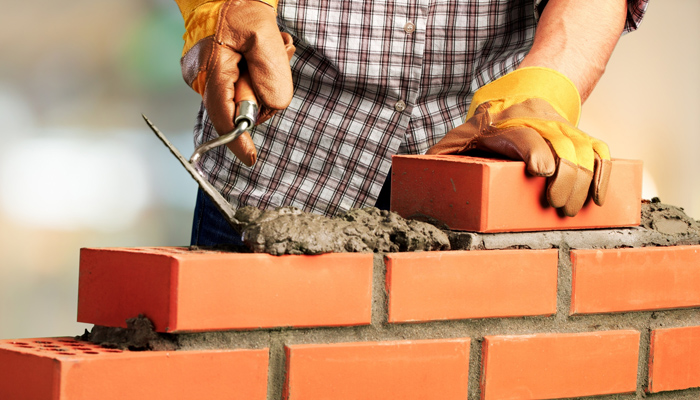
(246, 103)
(244, 89)
(246, 115)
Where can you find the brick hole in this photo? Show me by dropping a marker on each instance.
(43, 341)
(113, 351)
(134, 348)
(91, 352)
(82, 347)
(20, 343)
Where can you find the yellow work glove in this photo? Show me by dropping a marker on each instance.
(219, 36)
(531, 115)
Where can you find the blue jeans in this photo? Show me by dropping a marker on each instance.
(210, 228)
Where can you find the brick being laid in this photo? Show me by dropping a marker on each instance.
(430, 286)
(559, 365)
(408, 370)
(674, 359)
(69, 369)
(181, 290)
(488, 195)
(635, 279)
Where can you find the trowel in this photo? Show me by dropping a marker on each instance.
(246, 115)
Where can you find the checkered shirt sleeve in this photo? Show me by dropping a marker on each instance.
(372, 79)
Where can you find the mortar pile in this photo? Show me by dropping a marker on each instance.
(668, 219)
(288, 230)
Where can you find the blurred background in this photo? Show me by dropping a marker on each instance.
(79, 168)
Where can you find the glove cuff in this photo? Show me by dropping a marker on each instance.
(533, 82)
(201, 18)
(200, 23)
(188, 6)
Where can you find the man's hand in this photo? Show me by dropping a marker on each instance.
(222, 39)
(531, 115)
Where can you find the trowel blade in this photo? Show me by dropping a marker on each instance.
(221, 203)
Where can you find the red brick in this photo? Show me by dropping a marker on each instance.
(429, 286)
(66, 369)
(674, 359)
(487, 195)
(648, 278)
(547, 366)
(182, 290)
(424, 369)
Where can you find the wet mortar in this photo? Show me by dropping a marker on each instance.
(288, 230)
(139, 335)
(371, 230)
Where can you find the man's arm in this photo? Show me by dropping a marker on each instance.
(577, 38)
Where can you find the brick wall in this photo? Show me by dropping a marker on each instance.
(490, 324)
(610, 313)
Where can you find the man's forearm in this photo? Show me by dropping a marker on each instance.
(577, 38)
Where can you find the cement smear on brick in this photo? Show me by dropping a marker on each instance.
(288, 230)
(138, 335)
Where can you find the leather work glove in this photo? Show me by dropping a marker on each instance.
(223, 38)
(531, 115)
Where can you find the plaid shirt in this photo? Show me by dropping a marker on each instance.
(372, 79)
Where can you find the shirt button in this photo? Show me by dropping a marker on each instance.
(400, 106)
(410, 27)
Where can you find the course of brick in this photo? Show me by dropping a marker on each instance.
(562, 313)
